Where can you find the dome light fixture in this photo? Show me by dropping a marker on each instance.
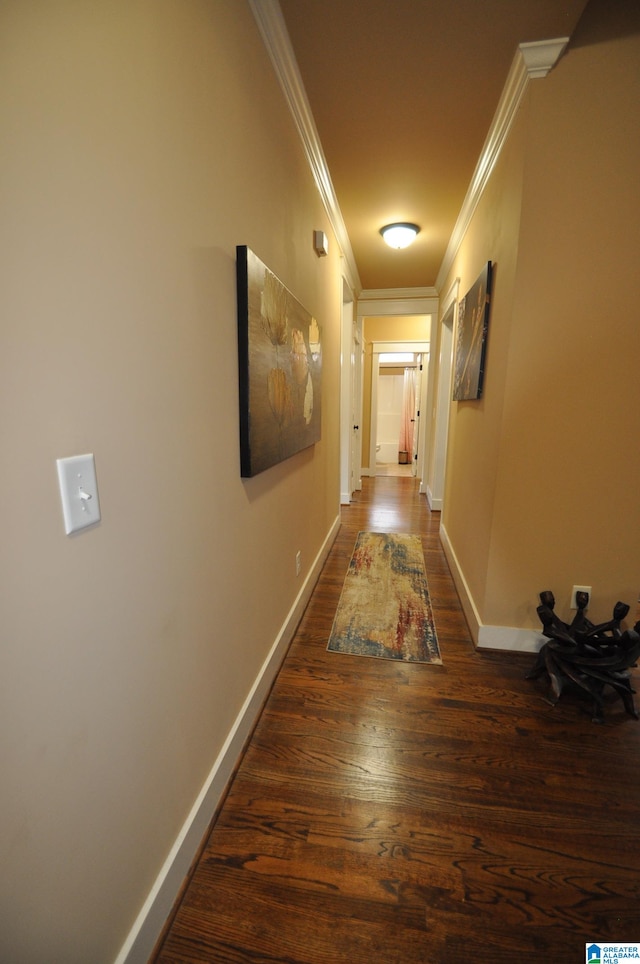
(400, 235)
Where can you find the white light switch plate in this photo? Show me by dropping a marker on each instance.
(79, 492)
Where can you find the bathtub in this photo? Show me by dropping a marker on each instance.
(387, 452)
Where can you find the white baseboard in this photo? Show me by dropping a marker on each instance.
(434, 504)
(148, 926)
(510, 638)
(468, 605)
(484, 636)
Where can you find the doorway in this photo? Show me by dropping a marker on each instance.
(401, 394)
(350, 398)
(384, 305)
(397, 440)
(437, 471)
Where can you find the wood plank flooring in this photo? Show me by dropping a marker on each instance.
(389, 813)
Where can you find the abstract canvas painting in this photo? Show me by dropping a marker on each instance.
(280, 368)
(471, 340)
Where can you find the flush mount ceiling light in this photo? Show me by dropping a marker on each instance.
(399, 235)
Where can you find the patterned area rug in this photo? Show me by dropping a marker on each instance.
(384, 609)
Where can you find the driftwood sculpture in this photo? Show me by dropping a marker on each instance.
(588, 656)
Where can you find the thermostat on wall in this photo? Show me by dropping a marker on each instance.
(320, 243)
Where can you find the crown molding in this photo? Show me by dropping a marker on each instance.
(275, 36)
(541, 56)
(532, 60)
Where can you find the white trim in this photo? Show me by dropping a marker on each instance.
(434, 504)
(397, 306)
(420, 445)
(148, 925)
(466, 599)
(509, 638)
(275, 37)
(451, 296)
(356, 395)
(440, 401)
(531, 61)
(377, 348)
(384, 294)
(381, 347)
(346, 401)
(373, 413)
(540, 56)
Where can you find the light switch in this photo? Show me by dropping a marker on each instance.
(79, 492)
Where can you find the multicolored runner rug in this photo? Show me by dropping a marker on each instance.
(384, 608)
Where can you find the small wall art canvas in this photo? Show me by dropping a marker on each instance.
(280, 367)
(471, 340)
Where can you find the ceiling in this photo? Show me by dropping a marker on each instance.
(403, 93)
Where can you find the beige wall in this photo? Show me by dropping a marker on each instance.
(141, 143)
(385, 328)
(476, 426)
(541, 490)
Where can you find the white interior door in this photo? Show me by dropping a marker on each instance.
(346, 396)
(356, 409)
(417, 414)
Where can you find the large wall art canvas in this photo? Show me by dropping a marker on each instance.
(471, 340)
(280, 367)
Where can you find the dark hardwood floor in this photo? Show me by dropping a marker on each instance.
(388, 812)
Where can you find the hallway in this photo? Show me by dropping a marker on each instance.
(395, 814)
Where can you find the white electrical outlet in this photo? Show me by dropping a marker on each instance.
(298, 562)
(576, 589)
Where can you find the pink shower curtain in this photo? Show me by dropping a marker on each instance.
(408, 411)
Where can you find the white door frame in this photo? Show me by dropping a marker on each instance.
(422, 424)
(386, 302)
(349, 379)
(384, 347)
(442, 408)
(357, 362)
